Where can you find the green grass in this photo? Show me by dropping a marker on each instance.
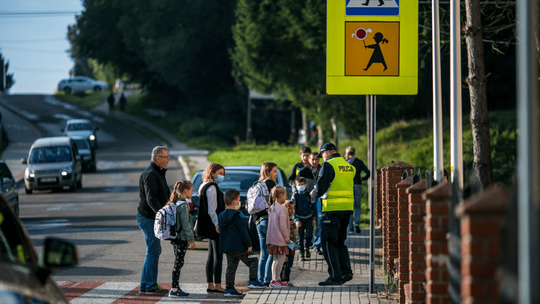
(86, 100)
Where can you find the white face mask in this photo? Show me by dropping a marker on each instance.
(301, 188)
(237, 206)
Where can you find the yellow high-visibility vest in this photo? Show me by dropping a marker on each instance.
(340, 195)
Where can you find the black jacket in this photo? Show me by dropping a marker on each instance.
(153, 191)
(292, 175)
(205, 227)
(360, 166)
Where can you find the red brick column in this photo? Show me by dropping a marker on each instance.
(378, 190)
(481, 219)
(403, 236)
(437, 202)
(417, 237)
(393, 177)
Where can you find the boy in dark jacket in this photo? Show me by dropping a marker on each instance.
(235, 242)
(305, 217)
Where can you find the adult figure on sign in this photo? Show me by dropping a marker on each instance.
(154, 194)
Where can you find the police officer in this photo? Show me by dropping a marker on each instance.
(335, 188)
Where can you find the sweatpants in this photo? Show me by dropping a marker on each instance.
(233, 258)
(180, 248)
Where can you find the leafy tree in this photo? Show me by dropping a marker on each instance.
(10, 81)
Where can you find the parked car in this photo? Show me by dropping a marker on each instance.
(88, 155)
(8, 187)
(240, 178)
(82, 128)
(53, 162)
(81, 84)
(25, 277)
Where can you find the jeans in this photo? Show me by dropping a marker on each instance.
(317, 238)
(153, 250)
(357, 207)
(336, 254)
(265, 263)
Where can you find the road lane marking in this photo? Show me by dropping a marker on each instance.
(105, 293)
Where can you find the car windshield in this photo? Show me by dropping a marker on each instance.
(237, 180)
(80, 127)
(82, 144)
(50, 155)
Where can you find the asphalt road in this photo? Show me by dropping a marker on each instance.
(100, 217)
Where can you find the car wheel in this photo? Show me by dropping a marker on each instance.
(67, 90)
(17, 208)
(79, 183)
(28, 191)
(97, 89)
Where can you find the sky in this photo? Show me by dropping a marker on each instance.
(35, 44)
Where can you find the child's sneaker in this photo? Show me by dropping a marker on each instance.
(233, 293)
(278, 284)
(308, 254)
(255, 284)
(302, 257)
(178, 294)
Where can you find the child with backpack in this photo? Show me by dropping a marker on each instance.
(305, 217)
(235, 242)
(278, 234)
(181, 233)
(286, 272)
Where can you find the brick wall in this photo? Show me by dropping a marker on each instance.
(437, 201)
(481, 219)
(403, 236)
(417, 238)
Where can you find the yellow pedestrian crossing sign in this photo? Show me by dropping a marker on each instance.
(372, 47)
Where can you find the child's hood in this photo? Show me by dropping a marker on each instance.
(226, 217)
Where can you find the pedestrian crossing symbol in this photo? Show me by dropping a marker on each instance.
(371, 48)
(372, 7)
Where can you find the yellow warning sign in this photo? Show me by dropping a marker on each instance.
(371, 48)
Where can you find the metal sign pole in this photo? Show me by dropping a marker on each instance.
(528, 153)
(372, 199)
(456, 136)
(438, 164)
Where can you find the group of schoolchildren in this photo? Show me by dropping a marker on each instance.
(287, 219)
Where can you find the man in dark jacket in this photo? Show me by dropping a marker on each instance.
(311, 171)
(350, 156)
(235, 242)
(154, 194)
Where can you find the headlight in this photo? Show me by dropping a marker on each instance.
(92, 137)
(66, 170)
(29, 173)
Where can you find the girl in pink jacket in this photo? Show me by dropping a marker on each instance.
(278, 235)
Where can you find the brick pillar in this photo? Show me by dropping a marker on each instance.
(403, 236)
(378, 190)
(384, 217)
(481, 219)
(393, 177)
(437, 201)
(417, 238)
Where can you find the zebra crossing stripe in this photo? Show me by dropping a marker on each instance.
(105, 293)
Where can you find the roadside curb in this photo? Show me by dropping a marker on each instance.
(185, 167)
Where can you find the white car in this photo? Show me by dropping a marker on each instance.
(81, 128)
(81, 84)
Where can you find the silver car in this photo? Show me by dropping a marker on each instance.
(81, 84)
(53, 162)
(81, 128)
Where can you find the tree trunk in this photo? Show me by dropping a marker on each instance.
(305, 126)
(293, 127)
(477, 88)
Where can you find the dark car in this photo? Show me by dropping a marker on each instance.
(8, 187)
(240, 178)
(25, 278)
(88, 155)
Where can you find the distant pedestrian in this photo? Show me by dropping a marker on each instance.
(211, 204)
(278, 236)
(304, 156)
(154, 193)
(122, 102)
(350, 155)
(304, 218)
(235, 242)
(181, 196)
(110, 101)
(286, 272)
(268, 174)
(335, 188)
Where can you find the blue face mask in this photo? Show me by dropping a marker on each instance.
(301, 188)
(219, 179)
